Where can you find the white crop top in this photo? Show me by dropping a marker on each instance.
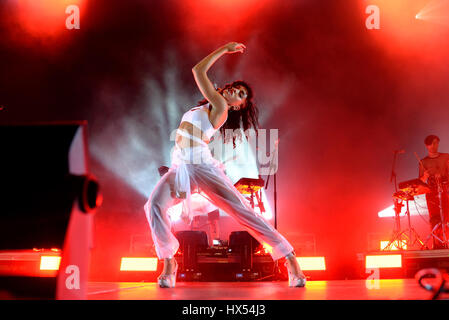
(199, 117)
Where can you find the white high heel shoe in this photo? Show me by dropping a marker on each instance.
(293, 280)
(168, 280)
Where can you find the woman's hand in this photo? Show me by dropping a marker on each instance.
(233, 47)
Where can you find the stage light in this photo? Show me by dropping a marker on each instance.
(395, 245)
(50, 263)
(383, 261)
(389, 212)
(264, 249)
(311, 263)
(138, 264)
(44, 17)
(417, 207)
(267, 248)
(436, 11)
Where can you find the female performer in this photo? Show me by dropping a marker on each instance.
(194, 167)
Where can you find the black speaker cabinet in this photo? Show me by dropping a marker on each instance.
(241, 242)
(46, 199)
(190, 243)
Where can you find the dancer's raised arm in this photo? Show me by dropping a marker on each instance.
(219, 104)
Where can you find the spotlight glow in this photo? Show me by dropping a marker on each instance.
(435, 11)
(44, 17)
(383, 261)
(417, 207)
(50, 263)
(138, 264)
(311, 263)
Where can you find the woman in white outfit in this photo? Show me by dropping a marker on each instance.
(193, 167)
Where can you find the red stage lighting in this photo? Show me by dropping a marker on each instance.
(400, 32)
(44, 17)
(383, 261)
(30, 263)
(138, 264)
(312, 263)
(263, 249)
(50, 263)
(217, 17)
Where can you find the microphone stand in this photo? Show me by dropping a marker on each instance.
(277, 274)
(393, 173)
(275, 186)
(396, 236)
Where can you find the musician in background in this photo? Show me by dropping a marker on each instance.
(434, 170)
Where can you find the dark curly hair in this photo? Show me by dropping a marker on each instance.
(244, 118)
(429, 139)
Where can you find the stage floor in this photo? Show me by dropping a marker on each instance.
(391, 289)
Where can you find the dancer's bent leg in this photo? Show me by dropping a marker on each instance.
(156, 212)
(219, 188)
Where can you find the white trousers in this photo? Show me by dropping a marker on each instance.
(222, 193)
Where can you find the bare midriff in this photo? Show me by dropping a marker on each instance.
(185, 142)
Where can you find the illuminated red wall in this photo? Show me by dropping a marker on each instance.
(343, 98)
